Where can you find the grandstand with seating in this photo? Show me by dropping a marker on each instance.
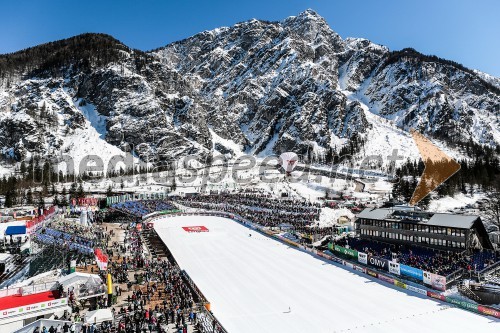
(142, 208)
(427, 259)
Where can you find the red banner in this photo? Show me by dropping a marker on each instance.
(196, 229)
(488, 311)
(436, 295)
(88, 201)
(101, 259)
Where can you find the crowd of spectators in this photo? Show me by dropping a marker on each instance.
(426, 259)
(260, 209)
(158, 294)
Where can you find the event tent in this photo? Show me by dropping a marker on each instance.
(98, 316)
(84, 285)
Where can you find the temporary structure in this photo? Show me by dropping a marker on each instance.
(98, 316)
(84, 285)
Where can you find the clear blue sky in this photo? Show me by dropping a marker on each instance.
(464, 31)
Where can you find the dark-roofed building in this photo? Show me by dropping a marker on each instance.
(405, 225)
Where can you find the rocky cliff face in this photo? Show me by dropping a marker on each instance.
(264, 87)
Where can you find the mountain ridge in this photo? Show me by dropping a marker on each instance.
(267, 86)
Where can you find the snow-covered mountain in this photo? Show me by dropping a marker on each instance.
(259, 87)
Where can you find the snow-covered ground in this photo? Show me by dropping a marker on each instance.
(5, 171)
(328, 217)
(5, 225)
(252, 282)
(448, 203)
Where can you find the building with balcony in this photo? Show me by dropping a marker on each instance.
(408, 226)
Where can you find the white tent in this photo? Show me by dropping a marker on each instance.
(98, 316)
(79, 278)
(84, 285)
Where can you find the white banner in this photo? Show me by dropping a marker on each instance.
(394, 268)
(363, 258)
(25, 309)
(417, 290)
(427, 278)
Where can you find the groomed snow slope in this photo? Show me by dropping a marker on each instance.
(252, 281)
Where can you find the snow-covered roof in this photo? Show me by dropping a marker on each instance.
(79, 278)
(376, 214)
(452, 220)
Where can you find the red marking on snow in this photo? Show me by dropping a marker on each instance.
(196, 229)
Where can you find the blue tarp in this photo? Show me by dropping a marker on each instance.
(15, 230)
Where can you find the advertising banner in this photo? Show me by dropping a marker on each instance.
(378, 262)
(438, 282)
(289, 242)
(427, 278)
(363, 258)
(348, 264)
(360, 269)
(386, 279)
(394, 268)
(417, 290)
(411, 272)
(371, 273)
(199, 228)
(337, 260)
(436, 295)
(33, 307)
(324, 255)
(346, 251)
(463, 304)
(400, 284)
(488, 311)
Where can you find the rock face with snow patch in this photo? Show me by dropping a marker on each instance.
(267, 86)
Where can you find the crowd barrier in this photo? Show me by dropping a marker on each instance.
(408, 270)
(195, 288)
(209, 324)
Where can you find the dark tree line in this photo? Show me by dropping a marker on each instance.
(410, 54)
(353, 146)
(40, 175)
(482, 171)
(79, 53)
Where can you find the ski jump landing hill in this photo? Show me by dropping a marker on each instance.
(257, 284)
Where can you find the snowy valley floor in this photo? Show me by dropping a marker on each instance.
(251, 282)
